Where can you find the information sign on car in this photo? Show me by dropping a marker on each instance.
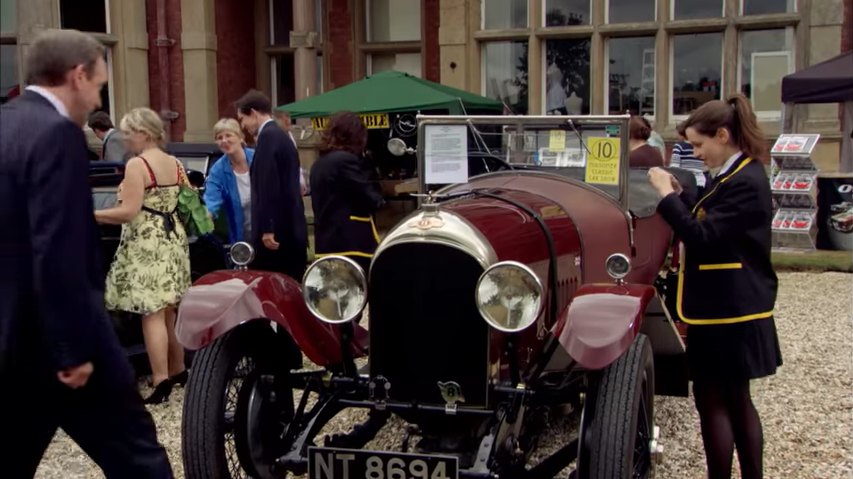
(334, 463)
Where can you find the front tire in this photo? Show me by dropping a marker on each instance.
(618, 422)
(230, 425)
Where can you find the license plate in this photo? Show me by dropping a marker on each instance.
(333, 463)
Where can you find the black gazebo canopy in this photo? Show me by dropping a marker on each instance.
(830, 81)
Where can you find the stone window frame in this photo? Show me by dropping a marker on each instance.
(270, 51)
(364, 48)
(731, 24)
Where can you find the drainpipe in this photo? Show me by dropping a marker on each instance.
(163, 43)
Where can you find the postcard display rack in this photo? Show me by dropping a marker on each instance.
(793, 182)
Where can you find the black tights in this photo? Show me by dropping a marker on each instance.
(729, 420)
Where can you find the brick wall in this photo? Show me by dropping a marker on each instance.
(432, 53)
(341, 41)
(235, 52)
(176, 65)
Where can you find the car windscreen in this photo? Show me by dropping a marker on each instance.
(194, 162)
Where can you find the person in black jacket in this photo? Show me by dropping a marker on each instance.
(726, 285)
(342, 196)
(279, 232)
(61, 364)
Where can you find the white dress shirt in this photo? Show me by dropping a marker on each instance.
(53, 99)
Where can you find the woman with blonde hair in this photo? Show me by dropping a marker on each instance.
(151, 268)
(228, 187)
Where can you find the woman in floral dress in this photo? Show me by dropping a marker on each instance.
(151, 269)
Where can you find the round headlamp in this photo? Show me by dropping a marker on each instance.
(241, 253)
(335, 289)
(509, 296)
(617, 266)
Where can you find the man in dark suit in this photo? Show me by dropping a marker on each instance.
(279, 231)
(60, 362)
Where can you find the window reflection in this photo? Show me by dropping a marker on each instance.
(567, 76)
(394, 21)
(765, 57)
(758, 7)
(631, 75)
(84, 15)
(687, 9)
(697, 70)
(402, 62)
(560, 13)
(505, 74)
(8, 16)
(621, 11)
(499, 14)
(8, 73)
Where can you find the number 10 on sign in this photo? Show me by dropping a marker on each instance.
(602, 166)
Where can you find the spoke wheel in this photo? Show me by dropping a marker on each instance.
(231, 427)
(618, 418)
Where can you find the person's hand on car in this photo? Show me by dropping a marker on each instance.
(663, 181)
(269, 241)
(77, 376)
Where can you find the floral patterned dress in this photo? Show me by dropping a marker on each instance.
(151, 268)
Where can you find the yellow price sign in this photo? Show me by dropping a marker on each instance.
(602, 165)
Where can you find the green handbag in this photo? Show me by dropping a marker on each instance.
(191, 211)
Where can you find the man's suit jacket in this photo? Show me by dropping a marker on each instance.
(52, 312)
(276, 196)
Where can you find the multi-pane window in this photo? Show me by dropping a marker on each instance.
(692, 9)
(567, 88)
(501, 14)
(7, 16)
(631, 75)
(765, 57)
(560, 13)
(398, 23)
(505, 74)
(759, 7)
(622, 11)
(697, 70)
(281, 54)
(630, 72)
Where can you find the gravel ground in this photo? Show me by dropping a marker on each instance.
(806, 408)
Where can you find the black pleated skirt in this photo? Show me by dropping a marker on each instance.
(733, 352)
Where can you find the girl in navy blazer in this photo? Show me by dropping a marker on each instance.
(726, 284)
(228, 186)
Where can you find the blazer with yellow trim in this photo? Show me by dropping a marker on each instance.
(344, 201)
(726, 275)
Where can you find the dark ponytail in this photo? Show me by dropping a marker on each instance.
(736, 115)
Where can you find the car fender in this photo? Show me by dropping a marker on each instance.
(223, 300)
(601, 321)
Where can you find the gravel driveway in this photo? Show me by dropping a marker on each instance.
(806, 408)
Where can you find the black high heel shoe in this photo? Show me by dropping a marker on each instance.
(180, 379)
(161, 392)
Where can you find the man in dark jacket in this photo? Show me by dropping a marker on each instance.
(61, 364)
(278, 216)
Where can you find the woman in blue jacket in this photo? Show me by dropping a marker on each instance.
(227, 188)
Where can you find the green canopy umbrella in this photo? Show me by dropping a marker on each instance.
(389, 92)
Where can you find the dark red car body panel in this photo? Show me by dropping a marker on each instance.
(222, 300)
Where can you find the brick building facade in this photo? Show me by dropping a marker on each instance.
(190, 59)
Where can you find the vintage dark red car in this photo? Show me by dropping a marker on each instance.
(507, 298)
